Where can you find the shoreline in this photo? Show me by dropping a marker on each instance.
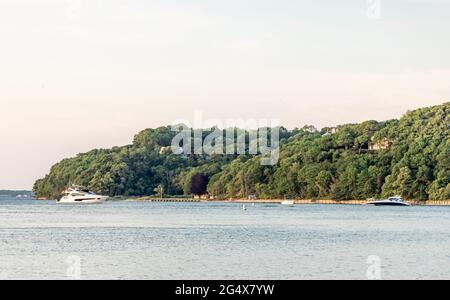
(296, 202)
(269, 201)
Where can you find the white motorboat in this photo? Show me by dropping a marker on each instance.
(391, 201)
(288, 202)
(80, 195)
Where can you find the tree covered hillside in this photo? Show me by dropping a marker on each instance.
(409, 157)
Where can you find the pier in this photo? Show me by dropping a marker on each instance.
(187, 200)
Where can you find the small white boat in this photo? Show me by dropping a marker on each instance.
(392, 201)
(80, 195)
(288, 202)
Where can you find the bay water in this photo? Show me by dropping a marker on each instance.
(145, 240)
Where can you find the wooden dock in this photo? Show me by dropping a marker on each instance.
(430, 202)
(187, 200)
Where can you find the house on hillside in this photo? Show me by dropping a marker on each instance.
(331, 130)
(384, 144)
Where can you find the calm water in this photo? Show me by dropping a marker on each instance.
(135, 240)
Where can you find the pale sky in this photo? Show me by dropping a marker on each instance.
(77, 75)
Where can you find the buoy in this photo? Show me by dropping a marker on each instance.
(244, 207)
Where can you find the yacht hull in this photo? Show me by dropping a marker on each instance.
(81, 201)
(387, 203)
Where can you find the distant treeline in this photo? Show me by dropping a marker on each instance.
(16, 193)
(409, 157)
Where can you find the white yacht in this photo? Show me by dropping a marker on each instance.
(392, 201)
(288, 202)
(80, 195)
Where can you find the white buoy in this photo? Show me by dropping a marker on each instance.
(244, 208)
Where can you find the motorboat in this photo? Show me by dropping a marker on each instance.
(288, 202)
(391, 201)
(80, 195)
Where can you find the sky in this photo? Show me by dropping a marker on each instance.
(82, 74)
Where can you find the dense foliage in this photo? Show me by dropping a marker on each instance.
(409, 157)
